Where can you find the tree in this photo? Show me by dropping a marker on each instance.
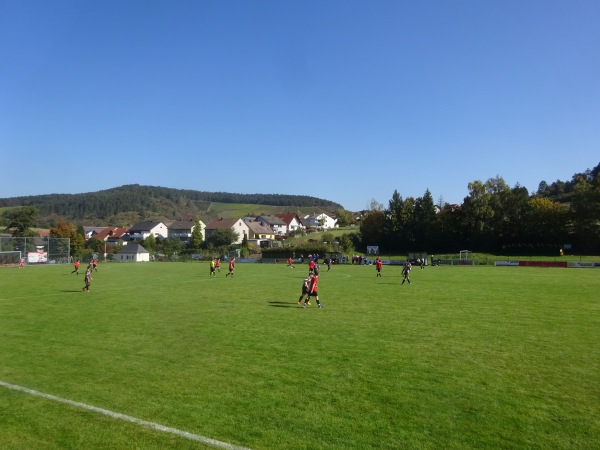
(21, 220)
(477, 214)
(585, 213)
(545, 222)
(244, 247)
(345, 243)
(373, 228)
(396, 223)
(69, 231)
(407, 237)
(344, 218)
(450, 229)
(222, 238)
(542, 188)
(400, 222)
(327, 237)
(374, 205)
(96, 245)
(170, 247)
(509, 207)
(425, 219)
(150, 243)
(196, 238)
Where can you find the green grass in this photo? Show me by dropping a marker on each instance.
(464, 358)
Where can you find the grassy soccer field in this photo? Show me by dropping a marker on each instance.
(464, 357)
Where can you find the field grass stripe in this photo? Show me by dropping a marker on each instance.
(115, 415)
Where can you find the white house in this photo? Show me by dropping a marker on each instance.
(237, 225)
(291, 220)
(322, 221)
(278, 226)
(133, 253)
(143, 230)
(90, 231)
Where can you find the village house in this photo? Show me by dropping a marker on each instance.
(291, 220)
(183, 229)
(111, 235)
(88, 232)
(320, 221)
(278, 226)
(260, 233)
(237, 225)
(143, 230)
(133, 253)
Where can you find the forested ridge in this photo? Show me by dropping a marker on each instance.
(495, 218)
(130, 203)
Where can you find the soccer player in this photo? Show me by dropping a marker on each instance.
(406, 271)
(76, 266)
(311, 266)
(312, 289)
(305, 285)
(231, 267)
(21, 263)
(88, 279)
(218, 264)
(291, 263)
(213, 266)
(378, 266)
(95, 264)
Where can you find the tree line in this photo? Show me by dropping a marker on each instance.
(147, 201)
(493, 218)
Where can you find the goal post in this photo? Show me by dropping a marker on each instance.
(463, 257)
(10, 258)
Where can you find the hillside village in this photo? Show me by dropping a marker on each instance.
(262, 231)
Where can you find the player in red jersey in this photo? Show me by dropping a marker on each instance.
(231, 267)
(312, 289)
(311, 266)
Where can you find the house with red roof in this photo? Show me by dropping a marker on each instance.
(291, 220)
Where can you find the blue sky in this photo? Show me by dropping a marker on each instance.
(342, 100)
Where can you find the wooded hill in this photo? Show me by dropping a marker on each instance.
(126, 205)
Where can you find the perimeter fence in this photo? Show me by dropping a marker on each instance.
(34, 250)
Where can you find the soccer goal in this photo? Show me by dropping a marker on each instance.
(463, 257)
(10, 258)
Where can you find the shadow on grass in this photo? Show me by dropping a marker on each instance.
(283, 304)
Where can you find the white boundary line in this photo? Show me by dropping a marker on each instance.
(115, 415)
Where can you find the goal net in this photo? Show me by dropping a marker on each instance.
(463, 257)
(10, 258)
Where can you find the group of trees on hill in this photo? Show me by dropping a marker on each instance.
(493, 218)
(144, 201)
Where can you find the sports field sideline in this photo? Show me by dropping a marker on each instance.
(464, 357)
